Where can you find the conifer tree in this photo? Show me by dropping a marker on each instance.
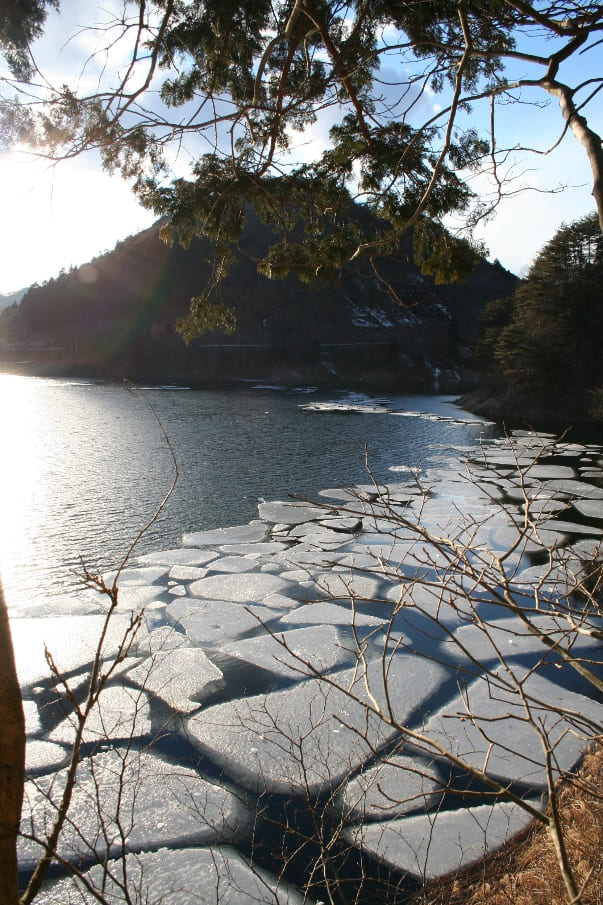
(238, 84)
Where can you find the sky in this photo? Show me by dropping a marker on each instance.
(62, 215)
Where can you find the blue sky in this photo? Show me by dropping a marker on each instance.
(59, 216)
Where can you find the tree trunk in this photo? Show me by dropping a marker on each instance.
(584, 134)
(12, 762)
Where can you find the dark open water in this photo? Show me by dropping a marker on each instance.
(84, 465)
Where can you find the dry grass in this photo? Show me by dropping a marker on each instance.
(525, 871)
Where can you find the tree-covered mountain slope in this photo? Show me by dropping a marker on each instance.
(384, 325)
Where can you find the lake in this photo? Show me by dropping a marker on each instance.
(238, 721)
(83, 465)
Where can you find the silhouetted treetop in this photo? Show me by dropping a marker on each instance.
(298, 108)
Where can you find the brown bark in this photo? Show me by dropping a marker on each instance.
(12, 762)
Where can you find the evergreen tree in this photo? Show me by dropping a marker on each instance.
(548, 343)
(238, 83)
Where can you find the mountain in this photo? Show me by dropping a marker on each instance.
(11, 298)
(115, 317)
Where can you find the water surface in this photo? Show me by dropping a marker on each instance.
(84, 465)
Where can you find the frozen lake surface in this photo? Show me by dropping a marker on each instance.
(311, 665)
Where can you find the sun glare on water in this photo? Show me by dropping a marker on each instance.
(20, 492)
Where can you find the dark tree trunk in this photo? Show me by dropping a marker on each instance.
(12, 762)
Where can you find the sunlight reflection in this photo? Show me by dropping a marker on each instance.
(19, 473)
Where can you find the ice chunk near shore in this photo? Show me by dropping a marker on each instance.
(187, 573)
(286, 653)
(247, 587)
(589, 508)
(319, 537)
(141, 597)
(509, 639)
(256, 550)
(346, 584)
(127, 794)
(209, 621)
(143, 574)
(119, 713)
(41, 756)
(488, 729)
(430, 845)
(182, 678)
(307, 737)
(395, 786)
(291, 513)
(192, 876)
(72, 641)
(32, 717)
(325, 613)
(183, 556)
(232, 564)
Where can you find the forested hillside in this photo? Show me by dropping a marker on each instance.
(539, 353)
(116, 317)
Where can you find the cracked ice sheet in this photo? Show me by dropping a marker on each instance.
(296, 740)
(345, 584)
(325, 613)
(151, 801)
(141, 597)
(500, 739)
(397, 785)
(208, 621)
(233, 564)
(247, 587)
(183, 556)
(266, 548)
(146, 574)
(237, 534)
(41, 756)
(72, 641)
(589, 508)
(510, 639)
(432, 845)
(185, 877)
(319, 646)
(182, 678)
(291, 513)
(32, 718)
(120, 713)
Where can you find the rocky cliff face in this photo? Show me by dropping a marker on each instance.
(115, 318)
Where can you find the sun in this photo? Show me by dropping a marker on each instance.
(61, 215)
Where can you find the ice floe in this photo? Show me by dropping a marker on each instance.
(311, 736)
(248, 587)
(398, 784)
(258, 675)
(181, 677)
(488, 728)
(238, 534)
(72, 641)
(288, 652)
(207, 621)
(130, 797)
(192, 876)
(429, 846)
(290, 513)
